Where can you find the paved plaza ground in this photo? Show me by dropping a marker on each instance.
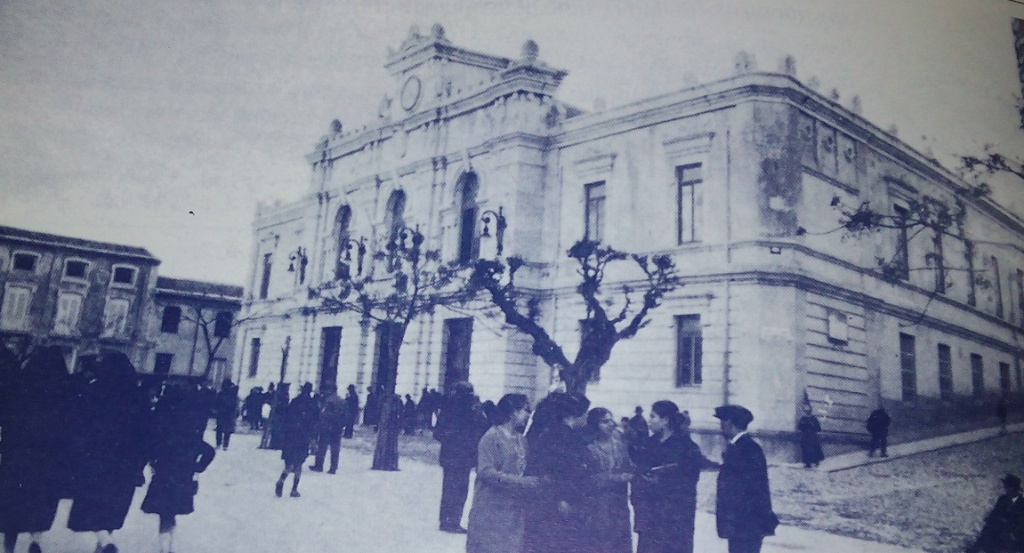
(931, 502)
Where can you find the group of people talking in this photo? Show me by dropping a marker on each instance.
(567, 483)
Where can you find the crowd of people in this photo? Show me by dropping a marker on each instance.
(87, 437)
(567, 483)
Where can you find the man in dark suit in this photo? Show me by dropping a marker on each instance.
(744, 511)
(1004, 526)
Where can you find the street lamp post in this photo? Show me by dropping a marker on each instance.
(491, 218)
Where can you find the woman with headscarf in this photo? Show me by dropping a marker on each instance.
(560, 460)
(108, 445)
(665, 490)
(33, 473)
(607, 507)
(496, 520)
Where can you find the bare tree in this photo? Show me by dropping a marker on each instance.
(611, 316)
(404, 282)
(213, 330)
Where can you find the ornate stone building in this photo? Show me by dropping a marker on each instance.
(735, 179)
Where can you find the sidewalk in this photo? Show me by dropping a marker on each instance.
(860, 458)
(355, 510)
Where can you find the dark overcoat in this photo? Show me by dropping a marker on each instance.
(174, 465)
(810, 441)
(459, 429)
(34, 450)
(109, 447)
(562, 462)
(665, 499)
(298, 427)
(744, 498)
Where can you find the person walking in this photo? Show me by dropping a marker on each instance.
(561, 462)
(496, 518)
(226, 412)
(665, 488)
(298, 426)
(460, 427)
(252, 408)
(34, 449)
(1002, 414)
(352, 411)
(178, 453)
(410, 413)
(810, 442)
(878, 426)
(110, 429)
(744, 510)
(371, 413)
(1003, 531)
(331, 424)
(607, 507)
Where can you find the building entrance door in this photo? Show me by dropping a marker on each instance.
(330, 345)
(458, 335)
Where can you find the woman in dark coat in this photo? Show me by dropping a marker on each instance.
(607, 508)
(33, 473)
(108, 448)
(226, 412)
(665, 490)
(178, 453)
(557, 520)
(810, 443)
(298, 428)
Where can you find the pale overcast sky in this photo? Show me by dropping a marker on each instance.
(118, 117)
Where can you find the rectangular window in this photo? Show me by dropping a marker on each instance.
(25, 262)
(945, 372)
(977, 375)
(1020, 298)
(1004, 378)
(901, 249)
(171, 319)
(595, 211)
(688, 180)
(14, 313)
(689, 344)
(124, 275)
(265, 279)
(997, 286)
(222, 324)
(908, 367)
(69, 309)
(75, 269)
(254, 357)
(115, 317)
(162, 363)
(939, 264)
(469, 244)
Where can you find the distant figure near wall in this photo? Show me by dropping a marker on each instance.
(878, 426)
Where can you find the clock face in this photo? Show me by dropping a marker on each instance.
(411, 93)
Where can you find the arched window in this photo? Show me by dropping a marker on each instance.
(395, 216)
(469, 241)
(341, 236)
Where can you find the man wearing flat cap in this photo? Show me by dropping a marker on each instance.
(744, 511)
(1004, 526)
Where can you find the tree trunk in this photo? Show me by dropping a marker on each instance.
(575, 382)
(385, 453)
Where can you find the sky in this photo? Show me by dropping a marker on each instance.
(162, 124)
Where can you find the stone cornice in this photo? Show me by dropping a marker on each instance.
(414, 55)
(728, 93)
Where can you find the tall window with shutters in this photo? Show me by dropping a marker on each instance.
(69, 309)
(595, 211)
(688, 185)
(115, 318)
(689, 351)
(15, 309)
